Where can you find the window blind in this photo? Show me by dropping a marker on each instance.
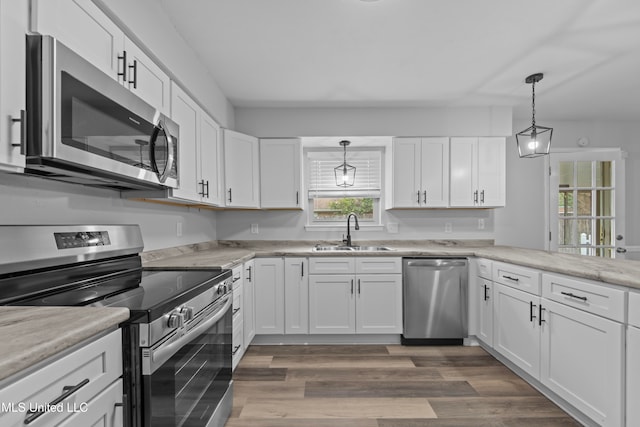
(322, 181)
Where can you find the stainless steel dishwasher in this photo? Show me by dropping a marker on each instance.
(435, 300)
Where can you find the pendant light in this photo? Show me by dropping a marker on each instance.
(534, 141)
(345, 173)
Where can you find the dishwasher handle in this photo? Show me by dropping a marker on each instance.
(436, 263)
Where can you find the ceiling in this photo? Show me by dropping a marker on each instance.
(421, 53)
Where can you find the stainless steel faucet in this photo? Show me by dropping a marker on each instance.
(347, 241)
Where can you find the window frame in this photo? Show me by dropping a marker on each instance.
(378, 203)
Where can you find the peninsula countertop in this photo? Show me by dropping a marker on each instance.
(226, 254)
(32, 334)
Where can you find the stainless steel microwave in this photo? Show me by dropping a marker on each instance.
(87, 128)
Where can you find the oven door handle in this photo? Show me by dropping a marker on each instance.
(164, 352)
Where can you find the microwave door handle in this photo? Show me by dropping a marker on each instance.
(162, 176)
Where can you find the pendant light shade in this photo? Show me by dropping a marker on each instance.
(345, 173)
(534, 141)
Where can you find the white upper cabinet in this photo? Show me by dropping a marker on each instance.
(14, 16)
(280, 173)
(84, 28)
(478, 169)
(199, 151)
(241, 170)
(145, 78)
(420, 172)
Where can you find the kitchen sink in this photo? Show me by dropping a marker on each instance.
(350, 248)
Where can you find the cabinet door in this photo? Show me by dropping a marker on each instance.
(435, 172)
(185, 112)
(379, 304)
(209, 160)
(84, 28)
(491, 172)
(14, 17)
(582, 361)
(633, 376)
(485, 311)
(406, 172)
(463, 160)
(332, 304)
(280, 179)
(269, 292)
(516, 334)
(248, 294)
(296, 296)
(146, 79)
(241, 170)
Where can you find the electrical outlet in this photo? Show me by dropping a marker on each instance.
(178, 229)
(480, 223)
(448, 228)
(254, 228)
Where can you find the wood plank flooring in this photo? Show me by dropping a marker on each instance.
(383, 386)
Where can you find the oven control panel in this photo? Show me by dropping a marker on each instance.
(81, 239)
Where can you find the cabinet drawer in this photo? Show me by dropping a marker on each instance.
(485, 268)
(237, 305)
(585, 295)
(388, 265)
(99, 362)
(332, 265)
(236, 274)
(101, 407)
(634, 309)
(237, 344)
(523, 278)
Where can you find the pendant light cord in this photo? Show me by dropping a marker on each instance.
(533, 103)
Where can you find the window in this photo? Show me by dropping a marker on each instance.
(584, 206)
(332, 204)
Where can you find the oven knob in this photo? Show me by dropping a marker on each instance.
(222, 289)
(187, 313)
(175, 320)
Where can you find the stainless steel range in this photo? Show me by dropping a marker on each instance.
(177, 342)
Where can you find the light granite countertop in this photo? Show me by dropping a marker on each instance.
(32, 334)
(226, 254)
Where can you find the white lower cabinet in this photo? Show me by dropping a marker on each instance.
(237, 338)
(354, 303)
(268, 277)
(484, 298)
(248, 295)
(583, 361)
(296, 296)
(633, 376)
(379, 304)
(516, 333)
(332, 308)
(89, 375)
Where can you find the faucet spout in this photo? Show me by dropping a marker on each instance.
(347, 241)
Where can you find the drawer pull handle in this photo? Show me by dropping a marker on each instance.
(235, 349)
(235, 310)
(515, 279)
(540, 319)
(569, 294)
(235, 279)
(486, 295)
(68, 390)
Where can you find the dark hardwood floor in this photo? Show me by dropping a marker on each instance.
(383, 386)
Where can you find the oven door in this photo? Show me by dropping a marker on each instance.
(80, 119)
(184, 381)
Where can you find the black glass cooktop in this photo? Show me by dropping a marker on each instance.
(147, 293)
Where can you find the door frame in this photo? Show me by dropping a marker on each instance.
(616, 154)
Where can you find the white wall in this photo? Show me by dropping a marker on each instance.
(30, 200)
(293, 122)
(149, 26)
(522, 222)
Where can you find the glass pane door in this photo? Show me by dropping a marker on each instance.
(583, 204)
